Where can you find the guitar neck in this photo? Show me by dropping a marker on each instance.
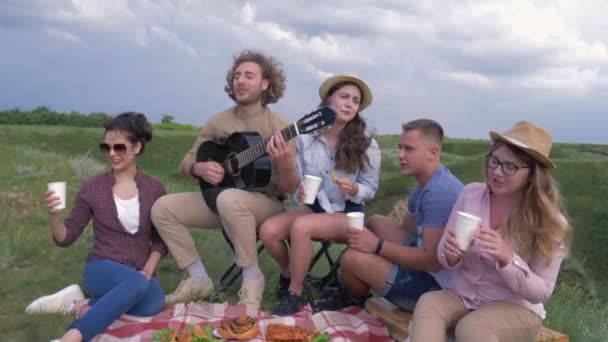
(258, 150)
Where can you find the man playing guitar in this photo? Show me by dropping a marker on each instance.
(254, 81)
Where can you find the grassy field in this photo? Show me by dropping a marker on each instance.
(32, 266)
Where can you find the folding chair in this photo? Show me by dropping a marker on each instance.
(328, 281)
(327, 284)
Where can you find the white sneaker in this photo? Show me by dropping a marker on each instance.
(61, 302)
(251, 293)
(190, 290)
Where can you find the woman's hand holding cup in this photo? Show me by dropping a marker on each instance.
(310, 185)
(301, 193)
(451, 248)
(55, 197)
(52, 201)
(491, 242)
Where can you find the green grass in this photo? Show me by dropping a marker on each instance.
(32, 265)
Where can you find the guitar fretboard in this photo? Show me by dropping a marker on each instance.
(258, 150)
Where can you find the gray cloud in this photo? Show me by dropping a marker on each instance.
(474, 66)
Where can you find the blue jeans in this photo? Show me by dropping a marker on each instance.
(116, 289)
(404, 286)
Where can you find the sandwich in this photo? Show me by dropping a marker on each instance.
(276, 332)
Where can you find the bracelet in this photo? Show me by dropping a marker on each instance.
(192, 171)
(379, 246)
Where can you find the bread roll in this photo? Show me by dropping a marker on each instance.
(239, 328)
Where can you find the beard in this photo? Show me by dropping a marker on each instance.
(250, 98)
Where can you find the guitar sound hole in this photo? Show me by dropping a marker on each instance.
(233, 166)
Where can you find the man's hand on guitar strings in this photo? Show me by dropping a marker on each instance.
(212, 172)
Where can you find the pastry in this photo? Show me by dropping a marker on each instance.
(239, 328)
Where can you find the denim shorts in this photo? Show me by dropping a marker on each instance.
(349, 207)
(405, 286)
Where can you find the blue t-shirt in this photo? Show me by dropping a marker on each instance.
(431, 204)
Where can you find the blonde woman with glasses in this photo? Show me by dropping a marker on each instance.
(501, 280)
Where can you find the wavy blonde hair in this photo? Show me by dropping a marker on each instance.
(539, 224)
(271, 69)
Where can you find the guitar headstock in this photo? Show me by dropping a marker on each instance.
(315, 120)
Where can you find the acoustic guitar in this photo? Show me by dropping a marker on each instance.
(244, 159)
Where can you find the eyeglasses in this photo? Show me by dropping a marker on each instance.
(119, 149)
(508, 168)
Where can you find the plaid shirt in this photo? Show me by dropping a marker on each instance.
(111, 240)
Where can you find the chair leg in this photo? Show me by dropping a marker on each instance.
(322, 283)
(315, 280)
(229, 277)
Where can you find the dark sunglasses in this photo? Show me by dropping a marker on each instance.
(119, 149)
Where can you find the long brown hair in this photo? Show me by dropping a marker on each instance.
(352, 140)
(539, 224)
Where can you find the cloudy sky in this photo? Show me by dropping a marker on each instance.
(471, 65)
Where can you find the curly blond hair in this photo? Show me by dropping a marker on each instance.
(272, 70)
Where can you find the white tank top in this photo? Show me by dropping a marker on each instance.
(128, 213)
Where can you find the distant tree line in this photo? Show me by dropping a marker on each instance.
(46, 116)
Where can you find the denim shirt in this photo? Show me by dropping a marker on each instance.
(315, 158)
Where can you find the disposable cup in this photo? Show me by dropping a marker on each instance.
(466, 226)
(311, 187)
(355, 219)
(59, 189)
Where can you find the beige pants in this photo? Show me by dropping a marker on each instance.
(240, 214)
(438, 311)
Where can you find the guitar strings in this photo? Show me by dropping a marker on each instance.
(247, 156)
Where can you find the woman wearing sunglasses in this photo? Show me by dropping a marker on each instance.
(119, 272)
(500, 282)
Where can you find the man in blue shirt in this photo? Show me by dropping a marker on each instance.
(399, 261)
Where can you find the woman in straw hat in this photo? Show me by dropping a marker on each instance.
(500, 282)
(347, 159)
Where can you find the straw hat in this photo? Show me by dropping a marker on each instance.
(528, 137)
(366, 93)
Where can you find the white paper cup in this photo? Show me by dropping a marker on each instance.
(59, 189)
(311, 187)
(355, 219)
(466, 226)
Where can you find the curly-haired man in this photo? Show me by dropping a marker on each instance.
(253, 81)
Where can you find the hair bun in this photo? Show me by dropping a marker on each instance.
(135, 124)
(141, 126)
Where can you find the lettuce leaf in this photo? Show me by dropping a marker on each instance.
(322, 337)
(163, 335)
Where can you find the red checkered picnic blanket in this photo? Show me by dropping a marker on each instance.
(350, 324)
